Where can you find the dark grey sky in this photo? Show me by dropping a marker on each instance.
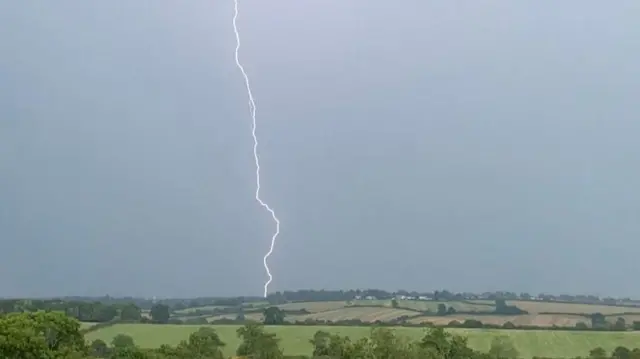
(411, 144)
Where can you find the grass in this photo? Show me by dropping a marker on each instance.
(295, 339)
(86, 325)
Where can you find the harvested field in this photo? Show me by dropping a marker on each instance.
(386, 303)
(365, 314)
(313, 307)
(537, 307)
(541, 320)
(433, 306)
(574, 308)
(424, 305)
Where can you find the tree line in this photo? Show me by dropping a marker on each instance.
(91, 312)
(309, 295)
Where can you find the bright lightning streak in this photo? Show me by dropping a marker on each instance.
(252, 108)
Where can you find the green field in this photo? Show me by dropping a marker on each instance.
(84, 325)
(295, 339)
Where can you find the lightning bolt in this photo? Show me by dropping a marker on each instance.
(252, 108)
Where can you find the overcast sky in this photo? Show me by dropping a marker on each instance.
(467, 145)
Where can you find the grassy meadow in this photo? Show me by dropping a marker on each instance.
(295, 339)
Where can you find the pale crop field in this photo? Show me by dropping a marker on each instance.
(537, 307)
(424, 305)
(433, 306)
(365, 314)
(540, 320)
(314, 307)
(574, 308)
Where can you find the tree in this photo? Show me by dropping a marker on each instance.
(442, 345)
(503, 308)
(273, 316)
(130, 312)
(502, 348)
(582, 326)
(122, 341)
(394, 303)
(40, 335)
(320, 343)
(130, 353)
(472, 323)
(621, 353)
(442, 309)
(327, 345)
(597, 353)
(598, 320)
(620, 324)
(384, 343)
(160, 313)
(99, 348)
(258, 344)
(205, 343)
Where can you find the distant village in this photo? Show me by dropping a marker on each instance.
(444, 296)
(424, 297)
